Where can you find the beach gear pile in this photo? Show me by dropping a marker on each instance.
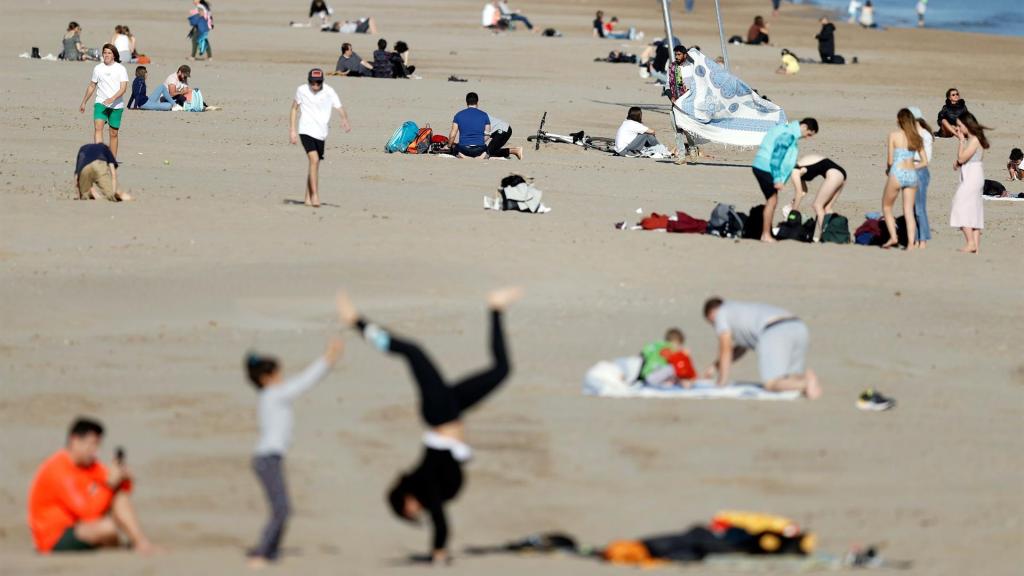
(517, 195)
(411, 139)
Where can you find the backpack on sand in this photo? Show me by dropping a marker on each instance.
(725, 221)
(793, 228)
(836, 229)
(755, 223)
(421, 143)
(402, 137)
(195, 103)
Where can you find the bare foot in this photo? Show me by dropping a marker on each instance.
(124, 197)
(146, 548)
(768, 239)
(813, 390)
(346, 311)
(889, 244)
(517, 152)
(500, 299)
(967, 250)
(257, 563)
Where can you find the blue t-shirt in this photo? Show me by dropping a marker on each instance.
(92, 152)
(472, 122)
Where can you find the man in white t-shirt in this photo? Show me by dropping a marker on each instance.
(312, 107)
(633, 136)
(109, 83)
(177, 84)
(779, 337)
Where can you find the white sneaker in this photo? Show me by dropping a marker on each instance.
(176, 108)
(644, 73)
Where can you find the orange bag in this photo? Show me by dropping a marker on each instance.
(630, 552)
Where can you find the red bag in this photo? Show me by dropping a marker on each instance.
(654, 222)
(687, 224)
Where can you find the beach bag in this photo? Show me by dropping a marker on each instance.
(421, 143)
(687, 224)
(793, 228)
(402, 137)
(901, 232)
(993, 188)
(835, 229)
(868, 233)
(754, 224)
(725, 221)
(438, 143)
(195, 103)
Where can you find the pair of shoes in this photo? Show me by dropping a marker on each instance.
(871, 400)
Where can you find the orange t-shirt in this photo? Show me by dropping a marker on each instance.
(63, 494)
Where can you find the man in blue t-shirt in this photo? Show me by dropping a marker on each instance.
(468, 129)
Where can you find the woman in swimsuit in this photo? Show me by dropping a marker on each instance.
(437, 479)
(902, 176)
(808, 168)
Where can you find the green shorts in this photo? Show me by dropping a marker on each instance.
(70, 543)
(111, 116)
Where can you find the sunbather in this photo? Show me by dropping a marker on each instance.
(358, 26)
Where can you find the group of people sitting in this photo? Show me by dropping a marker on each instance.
(73, 50)
(497, 16)
(477, 134)
(607, 29)
(385, 63)
(174, 93)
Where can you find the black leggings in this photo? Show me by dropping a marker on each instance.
(439, 402)
(499, 139)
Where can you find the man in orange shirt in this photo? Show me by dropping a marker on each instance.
(74, 504)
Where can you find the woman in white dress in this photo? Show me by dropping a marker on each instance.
(968, 211)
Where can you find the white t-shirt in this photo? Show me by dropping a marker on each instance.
(928, 140)
(122, 43)
(628, 132)
(108, 81)
(490, 15)
(172, 80)
(315, 110)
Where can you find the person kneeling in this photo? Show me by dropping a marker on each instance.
(75, 505)
(96, 169)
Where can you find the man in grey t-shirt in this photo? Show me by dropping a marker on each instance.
(350, 64)
(779, 338)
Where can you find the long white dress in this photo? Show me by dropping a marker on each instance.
(968, 209)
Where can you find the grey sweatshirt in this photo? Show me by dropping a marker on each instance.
(275, 411)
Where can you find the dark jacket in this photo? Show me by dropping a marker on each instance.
(827, 41)
(138, 93)
(950, 112)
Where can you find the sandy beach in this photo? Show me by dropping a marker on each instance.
(140, 313)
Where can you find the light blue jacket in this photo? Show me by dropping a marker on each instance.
(778, 151)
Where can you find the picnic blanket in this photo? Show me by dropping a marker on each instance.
(618, 379)
(719, 107)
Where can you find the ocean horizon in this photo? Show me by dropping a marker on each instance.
(1004, 17)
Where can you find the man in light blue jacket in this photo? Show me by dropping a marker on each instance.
(774, 163)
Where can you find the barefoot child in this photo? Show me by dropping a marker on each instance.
(667, 362)
(312, 107)
(275, 413)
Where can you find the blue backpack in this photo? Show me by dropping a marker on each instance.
(402, 137)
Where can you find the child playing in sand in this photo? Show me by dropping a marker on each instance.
(667, 362)
(275, 413)
(790, 64)
(1015, 167)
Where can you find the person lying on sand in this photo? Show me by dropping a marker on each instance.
(365, 25)
(667, 362)
(96, 174)
(75, 504)
(779, 337)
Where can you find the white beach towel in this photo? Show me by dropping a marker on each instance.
(617, 379)
(1001, 199)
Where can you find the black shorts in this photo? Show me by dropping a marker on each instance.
(767, 183)
(312, 145)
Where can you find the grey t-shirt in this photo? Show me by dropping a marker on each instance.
(275, 410)
(498, 125)
(746, 321)
(351, 64)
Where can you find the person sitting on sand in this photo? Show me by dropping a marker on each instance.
(491, 18)
(124, 41)
(599, 24)
(351, 64)
(954, 107)
(779, 338)
(758, 32)
(75, 504)
(161, 99)
(387, 64)
(867, 16)
(177, 84)
(468, 129)
(808, 168)
(790, 64)
(774, 163)
(1015, 167)
(402, 59)
(654, 60)
(513, 16)
(633, 136)
(667, 362)
(320, 9)
(629, 34)
(73, 50)
(96, 169)
(276, 421)
(358, 26)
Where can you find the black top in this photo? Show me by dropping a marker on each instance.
(827, 39)
(819, 168)
(950, 112)
(435, 481)
(317, 6)
(599, 26)
(92, 152)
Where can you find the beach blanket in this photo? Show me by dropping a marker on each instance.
(618, 379)
(719, 107)
(1002, 199)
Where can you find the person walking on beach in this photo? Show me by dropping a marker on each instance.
(312, 107)
(922, 7)
(968, 210)
(75, 504)
(774, 163)
(109, 82)
(924, 178)
(779, 338)
(276, 423)
(438, 478)
(905, 145)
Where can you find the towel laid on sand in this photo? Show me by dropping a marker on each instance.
(618, 379)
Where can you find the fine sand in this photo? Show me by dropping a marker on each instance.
(140, 314)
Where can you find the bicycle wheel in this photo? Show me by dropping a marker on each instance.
(601, 143)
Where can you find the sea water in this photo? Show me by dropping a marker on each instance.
(986, 16)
